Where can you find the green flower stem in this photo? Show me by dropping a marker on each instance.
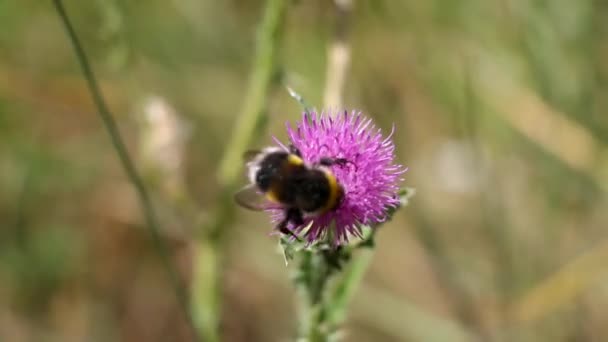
(348, 285)
(311, 281)
(206, 304)
(318, 331)
(327, 278)
(326, 290)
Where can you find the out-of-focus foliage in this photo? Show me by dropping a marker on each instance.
(500, 113)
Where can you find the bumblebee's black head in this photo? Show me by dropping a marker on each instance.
(264, 165)
(270, 169)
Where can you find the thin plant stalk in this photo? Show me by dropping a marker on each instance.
(254, 106)
(126, 162)
(206, 304)
(346, 288)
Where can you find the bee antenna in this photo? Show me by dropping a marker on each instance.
(291, 215)
(327, 161)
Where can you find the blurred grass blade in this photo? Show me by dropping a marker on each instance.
(126, 161)
(563, 286)
(405, 321)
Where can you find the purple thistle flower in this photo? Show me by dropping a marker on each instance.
(370, 178)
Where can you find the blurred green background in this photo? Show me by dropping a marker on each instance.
(500, 109)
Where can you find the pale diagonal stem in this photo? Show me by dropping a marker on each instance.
(338, 55)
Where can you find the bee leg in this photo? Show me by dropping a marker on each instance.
(291, 215)
(326, 161)
(296, 217)
(295, 150)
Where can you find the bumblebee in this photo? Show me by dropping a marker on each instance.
(282, 179)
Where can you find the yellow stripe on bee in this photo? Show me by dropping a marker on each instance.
(334, 192)
(271, 196)
(294, 159)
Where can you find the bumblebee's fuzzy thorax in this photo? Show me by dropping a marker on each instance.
(285, 179)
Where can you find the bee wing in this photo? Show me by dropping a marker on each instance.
(249, 155)
(249, 197)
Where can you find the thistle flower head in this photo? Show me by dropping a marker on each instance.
(370, 177)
